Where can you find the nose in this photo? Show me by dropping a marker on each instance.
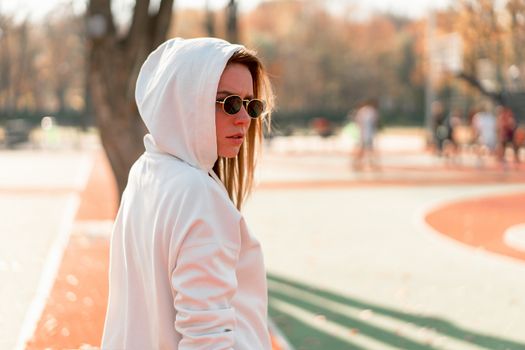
(242, 117)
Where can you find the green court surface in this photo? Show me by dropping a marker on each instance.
(313, 318)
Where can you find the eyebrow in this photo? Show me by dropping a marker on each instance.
(227, 93)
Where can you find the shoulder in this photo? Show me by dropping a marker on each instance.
(204, 213)
(184, 189)
(200, 194)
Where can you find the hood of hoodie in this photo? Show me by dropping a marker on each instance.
(175, 94)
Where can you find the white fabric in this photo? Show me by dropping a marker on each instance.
(185, 272)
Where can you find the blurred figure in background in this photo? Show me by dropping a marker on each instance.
(50, 136)
(484, 127)
(452, 139)
(506, 127)
(440, 129)
(519, 138)
(367, 119)
(469, 141)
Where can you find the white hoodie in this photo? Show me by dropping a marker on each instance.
(185, 272)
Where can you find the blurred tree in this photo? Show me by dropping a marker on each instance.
(40, 65)
(63, 59)
(191, 23)
(6, 26)
(210, 20)
(494, 39)
(516, 10)
(19, 49)
(325, 64)
(232, 28)
(10, 51)
(115, 57)
(20, 71)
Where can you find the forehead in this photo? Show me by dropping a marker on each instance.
(236, 78)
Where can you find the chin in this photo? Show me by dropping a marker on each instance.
(229, 153)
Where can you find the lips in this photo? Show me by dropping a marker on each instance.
(236, 136)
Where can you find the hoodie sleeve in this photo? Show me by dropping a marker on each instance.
(204, 276)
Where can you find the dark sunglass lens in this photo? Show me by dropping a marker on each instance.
(232, 104)
(255, 108)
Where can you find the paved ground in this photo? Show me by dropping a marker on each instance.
(373, 260)
(368, 260)
(37, 200)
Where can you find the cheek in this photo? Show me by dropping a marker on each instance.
(221, 123)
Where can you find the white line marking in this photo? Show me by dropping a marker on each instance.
(514, 237)
(49, 273)
(54, 258)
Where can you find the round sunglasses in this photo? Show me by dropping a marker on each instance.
(232, 105)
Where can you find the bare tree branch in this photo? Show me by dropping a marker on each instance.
(160, 23)
(139, 23)
(472, 81)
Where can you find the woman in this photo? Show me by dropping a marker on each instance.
(185, 272)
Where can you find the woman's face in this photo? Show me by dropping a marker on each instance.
(232, 129)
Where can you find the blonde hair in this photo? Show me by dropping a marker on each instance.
(237, 173)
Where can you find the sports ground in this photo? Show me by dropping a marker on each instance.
(420, 253)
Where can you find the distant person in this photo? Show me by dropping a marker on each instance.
(506, 128)
(519, 138)
(470, 131)
(185, 271)
(50, 136)
(452, 142)
(367, 120)
(484, 125)
(440, 127)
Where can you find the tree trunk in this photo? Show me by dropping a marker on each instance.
(113, 65)
(116, 116)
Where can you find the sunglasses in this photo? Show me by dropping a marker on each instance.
(232, 105)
